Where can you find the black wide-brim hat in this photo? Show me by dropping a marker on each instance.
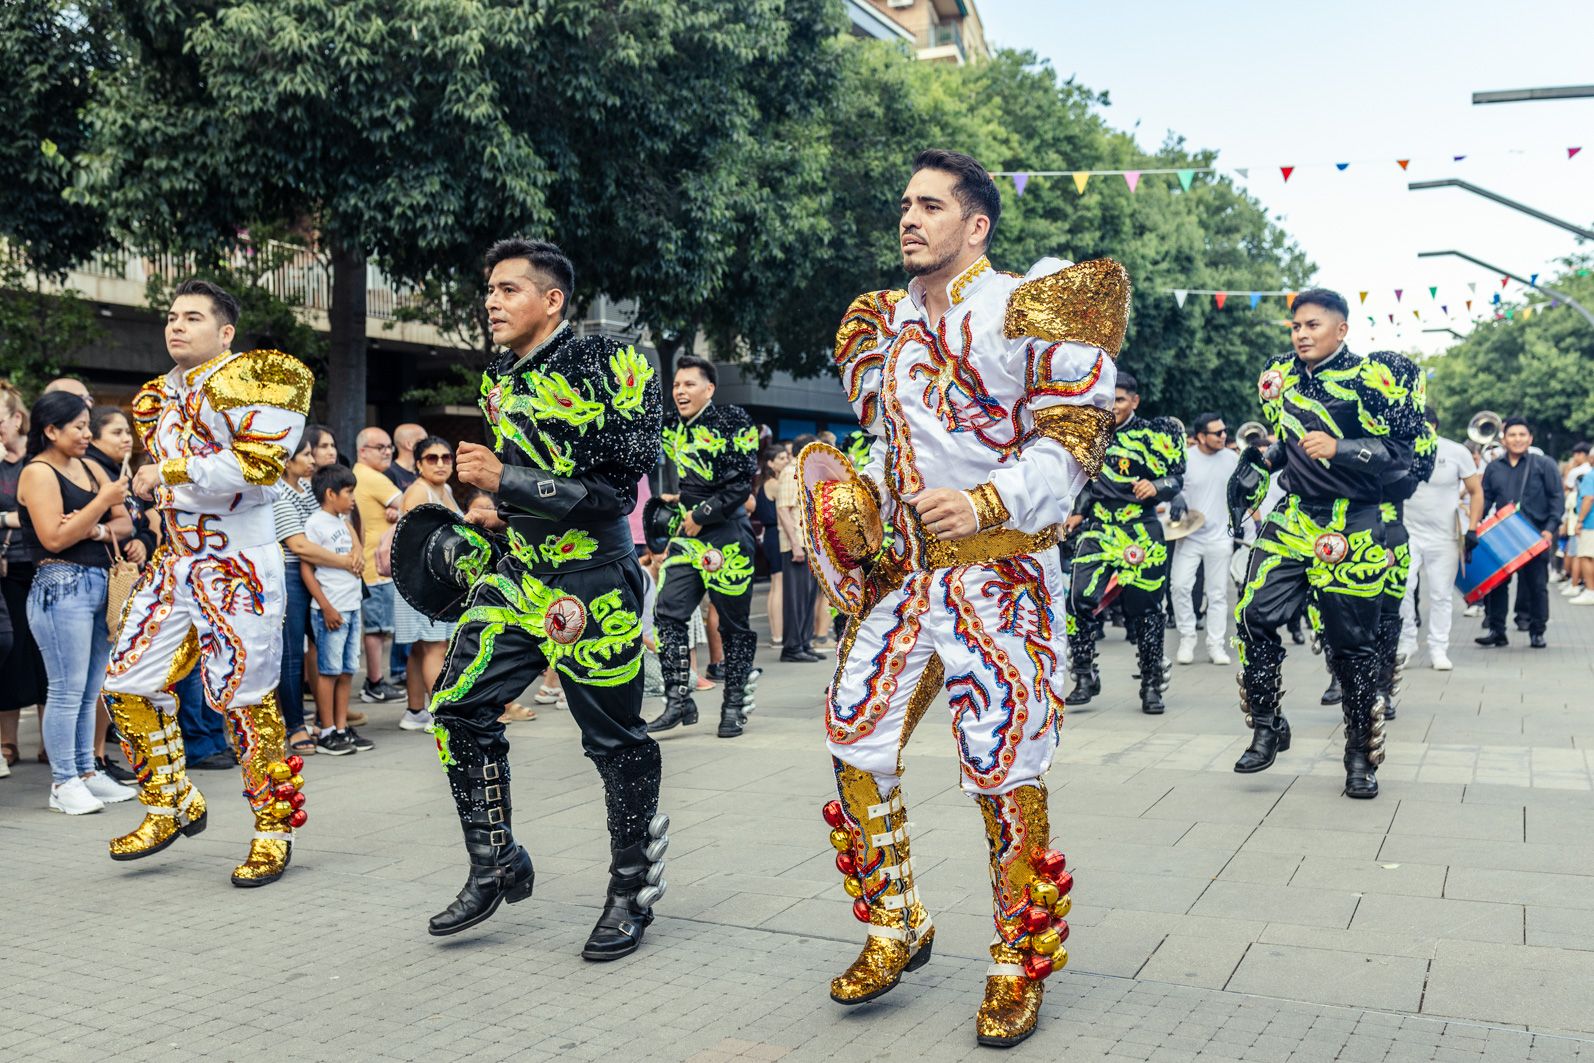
(658, 524)
(437, 558)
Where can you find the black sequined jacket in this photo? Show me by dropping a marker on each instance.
(715, 454)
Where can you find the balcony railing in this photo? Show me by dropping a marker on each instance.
(942, 35)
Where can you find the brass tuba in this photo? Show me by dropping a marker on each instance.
(1251, 432)
(1484, 428)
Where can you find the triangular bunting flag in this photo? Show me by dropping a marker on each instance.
(1080, 178)
(1019, 181)
(1185, 177)
(1510, 312)
(1289, 300)
(1364, 297)
(1391, 319)
(1527, 312)
(1243, 171)
(1496, 299)
(1469, 305)
(1341, 166)
(1433, 293)
(1533, 280)
(1472, 286)
(1457, 158)
(1219, 298)
(1398, 293)
(1570, 152)
(1445, 310)
(1255, 298)
(1417, 314)
(1179, 296)
(1286, 171)
(1403, 162)
(1131, 178)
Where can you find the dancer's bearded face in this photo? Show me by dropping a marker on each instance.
(934, 230)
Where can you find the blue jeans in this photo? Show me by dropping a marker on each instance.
(337, 652)
(290, 695)
(204, 729)
(66, 612)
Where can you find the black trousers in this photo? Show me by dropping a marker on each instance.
(1134, 551)
(1533, 596)
(797, 604)
(586, 624)
(719, 563)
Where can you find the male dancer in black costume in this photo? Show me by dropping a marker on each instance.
(1120, 535)
(1343, 424)
(715, 453)
(574, 423)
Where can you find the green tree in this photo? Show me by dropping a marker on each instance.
(1537, 368)
(38, 325)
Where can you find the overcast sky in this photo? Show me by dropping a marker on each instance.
(1272, 84)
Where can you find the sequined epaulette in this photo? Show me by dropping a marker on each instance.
(866, 318)
(1086, 303)
(261, 378)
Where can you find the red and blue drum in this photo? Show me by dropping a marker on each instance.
(1506, 542)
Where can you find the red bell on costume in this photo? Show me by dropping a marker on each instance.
(1037, 967)
(296, 800)
(1065, 883)
(284, 792)
(1062, 930)
(860, 910)
(298, 818)
(1034, 920)
(1051, 864)
(832, 814)
(295, 763)
(846, 863)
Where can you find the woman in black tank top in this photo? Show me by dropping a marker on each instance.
(70, 510)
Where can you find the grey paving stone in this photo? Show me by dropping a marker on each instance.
(1424, 916)
(1351, 978)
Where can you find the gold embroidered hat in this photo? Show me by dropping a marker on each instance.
(842, 523)
(438, 558)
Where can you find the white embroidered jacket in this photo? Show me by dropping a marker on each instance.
(221, 433)
(1009, 397)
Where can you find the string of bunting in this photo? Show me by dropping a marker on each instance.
(1221, 296)
(1186, 174)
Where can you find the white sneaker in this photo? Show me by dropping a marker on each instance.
(1441, 661)
(73, 798)
(1586, 598)
(546, 696)
(1186, 653)
(1473, 611)
(1571, 590)
(5, 769)
(108, 789)
(415, 720)
(1218, 656)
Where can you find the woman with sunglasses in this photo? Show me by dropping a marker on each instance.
(427, 639)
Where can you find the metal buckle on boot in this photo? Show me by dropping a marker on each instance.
(498, 837)
(495, 815)
(489, 771)
(495, 792)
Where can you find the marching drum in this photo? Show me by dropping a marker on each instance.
(1506, 542)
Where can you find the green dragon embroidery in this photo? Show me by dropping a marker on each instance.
(472, 565)
(631, 376)
(444, 754)
(1360, 573)
(573, 545)
(725, 570)
(746, 441)
(687, 446)
(1110, 543)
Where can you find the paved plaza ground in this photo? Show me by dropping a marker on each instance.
(1216, 916)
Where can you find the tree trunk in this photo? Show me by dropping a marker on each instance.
(346, 357)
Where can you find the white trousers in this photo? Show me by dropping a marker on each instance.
(225, 609)
(992, 636)
(1189, 555)
(1436, 558)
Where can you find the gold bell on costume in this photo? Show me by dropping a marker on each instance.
(173, 806)
(273, 787)
(870, 835)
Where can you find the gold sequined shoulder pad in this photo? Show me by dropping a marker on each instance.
(867, 317)
(1086, 303)
(262, 378)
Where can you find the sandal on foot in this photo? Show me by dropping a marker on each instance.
(303, 746)
(515, 712)
(12, 753)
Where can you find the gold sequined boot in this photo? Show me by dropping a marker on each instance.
(272, 785)
(153, 745)
(1030, 896)
(870, 834)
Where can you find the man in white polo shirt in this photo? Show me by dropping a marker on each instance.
(1431, 520)
(1208, 466)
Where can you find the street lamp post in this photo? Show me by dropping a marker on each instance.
(1467, 186)
(1567, 299)
(1563, 92)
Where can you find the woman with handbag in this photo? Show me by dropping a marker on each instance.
(22, 681)
(72, 514)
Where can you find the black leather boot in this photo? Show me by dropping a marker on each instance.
(1364, 731)
(675, 663)
(1261, 691)
(1082, 662)
(1334, 694)
(739, 651)
(731, 717)
(1087, 684)
(1149, 632)
(500, 870)
(1389, 662)
(636, 882)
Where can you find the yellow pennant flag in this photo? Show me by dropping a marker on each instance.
(1527, 312)
(1289, 300)
(1080, 178)
(1364, 296)
(1417, 314)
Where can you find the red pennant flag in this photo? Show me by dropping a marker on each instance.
(1403, 162)
(1572, 151)
(1391, 319)
(1219, 299)
(1504, 281)
(1286, 171)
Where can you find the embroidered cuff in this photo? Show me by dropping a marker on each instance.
(989, 509)
(175, 471)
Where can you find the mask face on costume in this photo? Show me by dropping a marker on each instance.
(1316, 332)
(934, 230)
